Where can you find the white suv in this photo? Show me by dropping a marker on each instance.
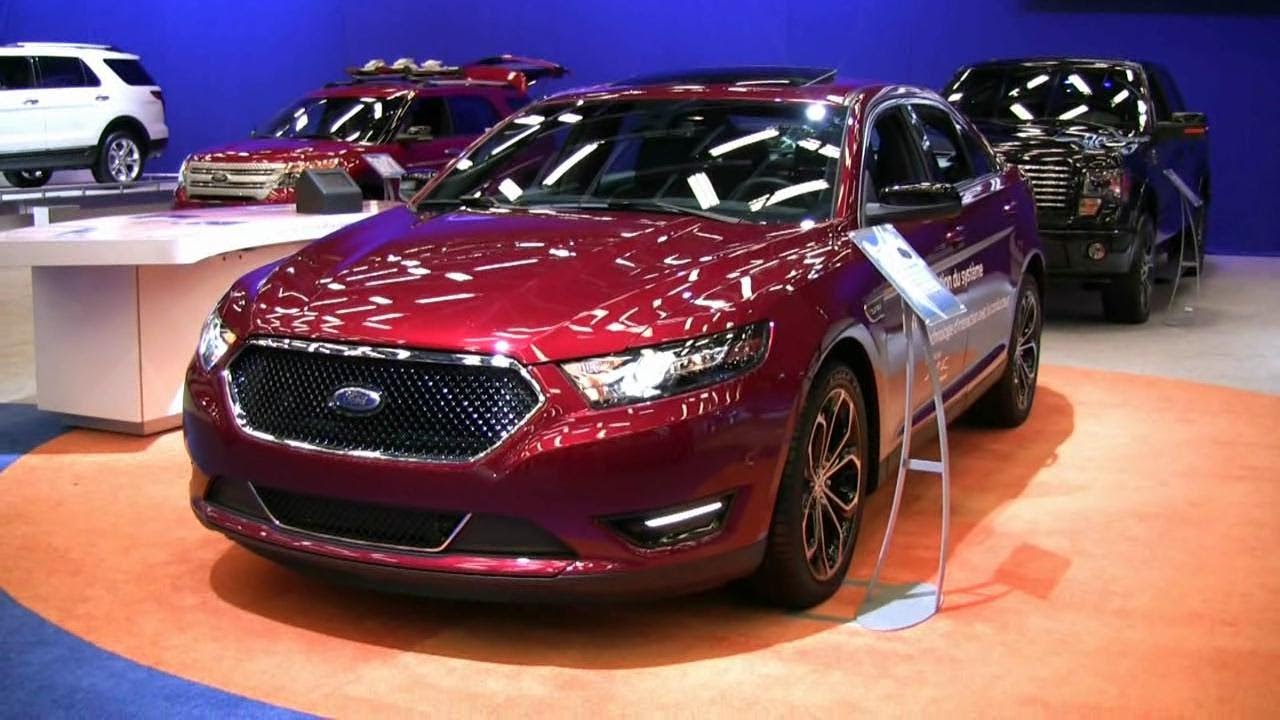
(65, 105)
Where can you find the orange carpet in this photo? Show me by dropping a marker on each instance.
(1119, 554)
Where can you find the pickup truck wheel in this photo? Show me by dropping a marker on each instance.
(120, 159)
(818, 512)
(28, 178)
(1008, 402)
(1128, 298)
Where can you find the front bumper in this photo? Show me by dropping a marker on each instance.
(278, 196)
(1066, 252)
(568, 471)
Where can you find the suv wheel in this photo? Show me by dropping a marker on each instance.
(1128, 298)
(28, 178)
(1008, 402)
(818, 512)
(119, 159)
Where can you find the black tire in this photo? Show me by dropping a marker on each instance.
(1128, 298)
(1008, 402)
(793, 575)
(28, 178)
(120, 158)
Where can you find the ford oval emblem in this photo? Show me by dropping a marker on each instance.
(356, 400)
(220, 177)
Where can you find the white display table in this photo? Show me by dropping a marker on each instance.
(119, 301)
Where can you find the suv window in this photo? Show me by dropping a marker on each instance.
(130, 72)
(471, 115)
(15, 73)
(65, 72)
(1158, 97)
(889, 156)
(943, 153)
(428, 116)
(980, 157)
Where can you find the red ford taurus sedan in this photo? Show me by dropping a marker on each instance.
(621, 346)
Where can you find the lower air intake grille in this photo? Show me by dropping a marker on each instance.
(446, 411)
(361, 522)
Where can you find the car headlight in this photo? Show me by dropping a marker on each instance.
(669, 369)
(215, 340)
(182, 171)
(293, 171)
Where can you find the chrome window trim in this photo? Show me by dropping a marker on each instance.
(377, 353)
(351, 541)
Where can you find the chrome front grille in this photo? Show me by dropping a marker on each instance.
(232, 180)
(432, 406)
(1052, 185)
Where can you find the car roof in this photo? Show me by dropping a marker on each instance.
(1033, 61)
(66, 49)
(389, 87)
(738, 83)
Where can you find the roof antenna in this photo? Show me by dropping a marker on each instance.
(822, 79)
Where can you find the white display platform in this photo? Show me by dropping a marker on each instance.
(119, 301)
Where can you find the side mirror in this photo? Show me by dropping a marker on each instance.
(1182, 124)
(412, 182)
(917, 201)
(414, 133)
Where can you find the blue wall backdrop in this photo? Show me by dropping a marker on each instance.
(226, 65)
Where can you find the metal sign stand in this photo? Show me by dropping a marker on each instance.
(1187, 200)
(389, 170)
(905, 606)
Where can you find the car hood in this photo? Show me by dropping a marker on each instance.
(278, 150)
(1057, 143)
(533, 285)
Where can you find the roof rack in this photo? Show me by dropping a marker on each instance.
(765, 75)
(75, 45)
(502, 70)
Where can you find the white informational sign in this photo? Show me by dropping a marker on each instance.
(385, 165)
(908, 273)
(1191, 195)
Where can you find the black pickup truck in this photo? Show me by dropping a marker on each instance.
(1095, 137)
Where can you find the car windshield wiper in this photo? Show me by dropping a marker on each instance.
(668, 207)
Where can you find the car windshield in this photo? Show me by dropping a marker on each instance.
(350, 119)
(1092, 94)
(734, 160)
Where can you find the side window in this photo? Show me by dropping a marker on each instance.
(15, 73)
(471, 115)
(980, 157)
(940, 141)
(425, 118)
(65, 72)
(1158, 97)
(889, 156)
(130, 71)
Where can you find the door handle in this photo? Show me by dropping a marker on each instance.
(31, 101)
(100, 98)
(955, 235)
(1010, 208)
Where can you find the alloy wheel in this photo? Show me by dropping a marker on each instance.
(1026, 353)
(124, 160)
(833, 469)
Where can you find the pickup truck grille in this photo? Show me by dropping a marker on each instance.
(232, 180)
(1053, 185)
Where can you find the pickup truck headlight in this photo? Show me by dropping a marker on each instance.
(215, 340)
(1111, 184)
(664, 370)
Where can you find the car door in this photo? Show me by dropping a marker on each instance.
(22, 126)
(425, 139)
(72, 99)
(978, 268)
(892, 155)
(1185, 152)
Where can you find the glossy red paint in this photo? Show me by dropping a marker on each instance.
(542, 286)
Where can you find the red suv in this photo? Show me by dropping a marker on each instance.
(421, 115)
(623, 345)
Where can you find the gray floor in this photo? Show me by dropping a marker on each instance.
(1233, 337)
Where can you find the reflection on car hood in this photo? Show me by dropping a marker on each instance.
(534, 285)
(277, 150)
(1034, 141)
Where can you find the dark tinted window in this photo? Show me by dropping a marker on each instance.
(889, 155)
(1087, 93)
(980, 157)
(351, 119)
(131, 72)
(425, 118)
(65, 72)
(943, 152)
(471, 115)
(15, 73)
